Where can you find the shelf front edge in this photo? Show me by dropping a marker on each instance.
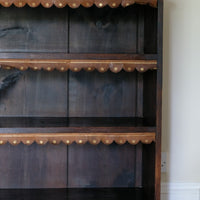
(79, 138)
(77, 65)
(76, 3)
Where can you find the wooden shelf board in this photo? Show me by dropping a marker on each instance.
(79, 130)
(76, 56)
(73, 194)
(79, 138)
(77, 65)
(76, 3)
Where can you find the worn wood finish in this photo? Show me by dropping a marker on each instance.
(76, 3)
(69, 138)
(103, 30)
(35, 94)
(102, 166)
(102, 95)
(78, 65)
(25, 30)
(33, 166)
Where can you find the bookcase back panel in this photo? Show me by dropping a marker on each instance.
(74, 166)
(33, 30)
(104, 166)
(33, 166)
(102, 94)
(82, 94)
(103, 30)
(82, 30)
(35, 94)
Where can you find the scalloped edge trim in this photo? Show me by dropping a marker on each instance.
(69, 138)
(78, 65)
(76, 3)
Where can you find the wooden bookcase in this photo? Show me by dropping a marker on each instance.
(80, 99)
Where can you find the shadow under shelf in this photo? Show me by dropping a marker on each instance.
(74, 194)
(80, 130)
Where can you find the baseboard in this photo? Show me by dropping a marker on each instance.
(180, 191)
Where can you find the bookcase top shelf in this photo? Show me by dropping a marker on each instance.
(76, 3)
(77, 65)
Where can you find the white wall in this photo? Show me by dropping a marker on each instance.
(181, 91)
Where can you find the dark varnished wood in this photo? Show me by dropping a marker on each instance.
(33, 87)
(148, 175)
(138, 165)
(111, 32)
(74, 122)
(88, 165)
(103, 30)
(33, 166)
(91, 56)
(150, 30)
(149, 95)
(78, 130)
(159, 84)
(74, 194)
(24, 30)
(52, 103)
(104, 91)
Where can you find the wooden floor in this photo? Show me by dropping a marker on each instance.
(72, 194)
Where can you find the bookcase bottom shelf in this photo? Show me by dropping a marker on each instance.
(74, 194)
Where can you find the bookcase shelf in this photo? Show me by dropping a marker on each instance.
(77, 65)
(74, 56)
(80, 130)
(76, 3)
(69, 138)
(74, 194)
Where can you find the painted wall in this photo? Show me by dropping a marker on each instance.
(181, 95)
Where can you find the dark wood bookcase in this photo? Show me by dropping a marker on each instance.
(80, 99)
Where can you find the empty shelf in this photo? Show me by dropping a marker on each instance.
(73, 194)
(79, 130)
